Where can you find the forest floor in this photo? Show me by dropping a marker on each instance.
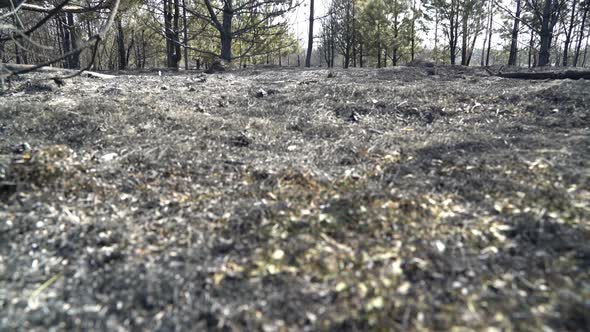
(406, 199)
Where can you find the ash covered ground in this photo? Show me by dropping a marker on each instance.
(406, 199)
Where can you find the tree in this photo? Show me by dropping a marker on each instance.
(246, 20)
(547, 13)
(310, 36)
(396, 10)
(374, 28)
(472, 16)
(344, 21)
(585, 8)
(568, 33)
(449, 13)
(514, 36)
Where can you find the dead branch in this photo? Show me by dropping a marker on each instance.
(91, 43)
(14, 67)
(561, 75)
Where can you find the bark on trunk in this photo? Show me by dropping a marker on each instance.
(568, 35)
(490, 31)
(581, 35)
(121, 45)
(74, 59)
(514, 40)
(310, 36)
(185, 34)
(546, 34)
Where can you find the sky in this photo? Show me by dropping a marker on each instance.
(300, 19)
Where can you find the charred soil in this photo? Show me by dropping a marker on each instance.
(410, 199)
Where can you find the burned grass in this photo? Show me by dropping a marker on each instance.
(397, 199)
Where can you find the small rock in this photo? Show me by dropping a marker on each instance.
(261, 93)
(108, 157)
(21, 148)
(163, 88)
(240, 140)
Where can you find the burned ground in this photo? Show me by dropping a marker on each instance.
(402, 199)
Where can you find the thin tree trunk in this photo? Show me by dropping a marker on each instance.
(483, 47)
(435, 31)
(531, 48)
(121, 45)
(332, 41)
(361, 55)
(581, 35)
(464, 38)
(74, 58)
(585, 52)
(490, 31)
(568, 35)
(413, 32)
(514, 40)
(310, 36)
(472, 47)
(185, 34)
(177, 49)
(66, 42)
(378, 46)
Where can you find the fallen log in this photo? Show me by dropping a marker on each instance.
(560, 75)
(15, 68)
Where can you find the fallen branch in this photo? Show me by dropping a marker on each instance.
(75, 9)
(15, 67)
(91, 43)
(568, 74)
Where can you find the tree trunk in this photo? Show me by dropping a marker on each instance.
(395, 43)
(378, 46)
(66, 42)
(464, 38)
(531, 48)
(185, 34)
(332, 41)
(168, 33)
(2, 53)
(455, 33)
(413, 31)
(546, 34)
(435, 31)
(490, 32)
(310, 36)
(581, 35)
(74, 59)
(177, 49)
(121, 45)
(514, 40)
(483, 46)
(585, 52)
(361, 55)
(568, 35)
(471, 48)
